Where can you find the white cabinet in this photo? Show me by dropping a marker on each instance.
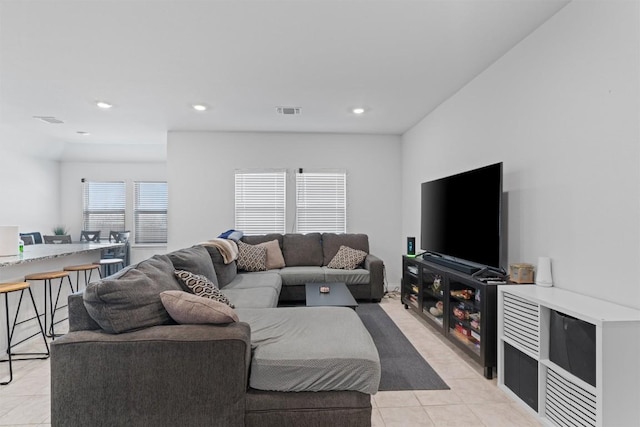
(563, 398)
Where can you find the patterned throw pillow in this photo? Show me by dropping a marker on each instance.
(252, 257)
(347, 258)
(202, 286)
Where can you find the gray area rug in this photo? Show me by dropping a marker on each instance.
(403, 368)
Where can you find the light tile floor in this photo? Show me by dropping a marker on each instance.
(471, 401)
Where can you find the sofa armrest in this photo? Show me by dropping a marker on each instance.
(79, 318)
(163, 375)
(376, 276)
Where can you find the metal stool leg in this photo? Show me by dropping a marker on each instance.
(54, 308)
(47, 286)
(44, 336)
(6, 307)
(11, 331)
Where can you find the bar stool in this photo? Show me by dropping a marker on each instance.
(113, 257)
(6, 289)
(108, 264)
(47, 277)
(85, 268)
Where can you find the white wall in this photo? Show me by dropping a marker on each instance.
(561, 111)
(201, 187)
(71, 193)
(29, 192)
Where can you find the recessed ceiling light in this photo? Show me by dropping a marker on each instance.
(104, 105)
(358, 110)
(199, 107)
(83, 133)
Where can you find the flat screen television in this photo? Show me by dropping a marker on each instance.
(461, 217)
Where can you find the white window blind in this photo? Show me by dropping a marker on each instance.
(150, 212)
(103, 206)
(321, 202)
(260, 201)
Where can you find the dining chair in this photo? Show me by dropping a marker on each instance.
(90, 236)
(27, 239)
(35, 235)
(57, 239)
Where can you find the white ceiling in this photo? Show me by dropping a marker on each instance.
(152, 59)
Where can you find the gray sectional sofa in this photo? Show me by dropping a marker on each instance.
(306, 258)
(126, 362)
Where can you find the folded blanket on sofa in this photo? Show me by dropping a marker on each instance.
(228, 248)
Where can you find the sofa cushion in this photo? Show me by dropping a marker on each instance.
(347, 258)
(256, 240)
(252, 258)
(331, 243)
(132, 299)
(264, 297)
(359, 276)
(302, 249)
(202, 287)
(311, 349)
(275, 258)
(261, 279)
(301, 275)
(195, 259)
(187, 308)
(224, 272)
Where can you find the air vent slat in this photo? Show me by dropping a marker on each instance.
(568, 404)
(289, 111)
(522, 322)
(49, 119)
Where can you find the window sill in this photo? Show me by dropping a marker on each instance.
(148, 245)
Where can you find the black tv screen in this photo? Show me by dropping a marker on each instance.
(461, 216)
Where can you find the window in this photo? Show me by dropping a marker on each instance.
(321, 204)
(150, 212)
(103, 206)
(260, 201)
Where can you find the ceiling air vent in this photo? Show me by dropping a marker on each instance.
(49, 119)
(289, 111)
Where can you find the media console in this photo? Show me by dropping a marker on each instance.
(461, 307)
(572, 359)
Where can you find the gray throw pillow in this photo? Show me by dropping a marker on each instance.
(187, 308)
(131, 300)
(201, 286)
(195, 259)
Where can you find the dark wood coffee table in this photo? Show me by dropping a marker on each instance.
(338, 296)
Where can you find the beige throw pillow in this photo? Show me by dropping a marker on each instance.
(186, 308)
(274, 255)
(347, 258)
